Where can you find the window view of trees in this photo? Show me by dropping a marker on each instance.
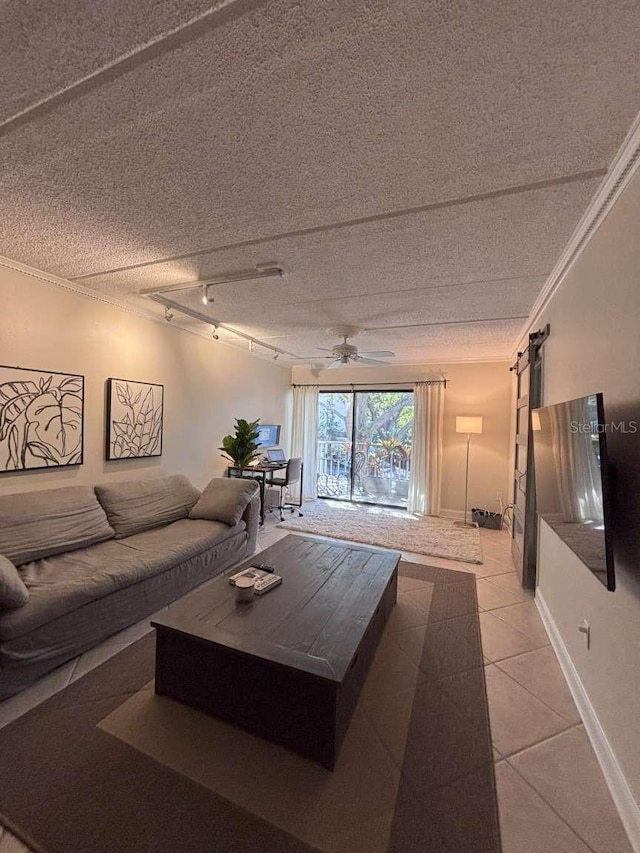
(376, 469)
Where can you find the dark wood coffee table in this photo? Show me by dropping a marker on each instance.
(289, 665)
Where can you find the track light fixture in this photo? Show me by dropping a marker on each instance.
(261, 271)
(276, 356)
(206, 299)
(168, 314)
(252, 345)
(214, 333)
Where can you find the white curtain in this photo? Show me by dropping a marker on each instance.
(304, 440)
(425, 486)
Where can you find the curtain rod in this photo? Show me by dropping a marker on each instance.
(369, 384)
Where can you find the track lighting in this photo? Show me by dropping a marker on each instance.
(206, 299)
(275, 356)
(214, 333)
(251, 345)
(261, 271)
(168, 314)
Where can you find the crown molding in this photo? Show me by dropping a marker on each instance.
(114, 302)
(619, 175)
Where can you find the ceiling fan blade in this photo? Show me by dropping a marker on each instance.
(360, 360)
(379, 354)
(336, 363)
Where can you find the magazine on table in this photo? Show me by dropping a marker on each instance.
(254, 573)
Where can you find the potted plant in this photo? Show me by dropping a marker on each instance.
(242, 448)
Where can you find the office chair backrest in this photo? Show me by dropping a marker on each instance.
(294, 470)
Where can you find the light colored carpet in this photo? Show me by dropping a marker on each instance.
(389, 528)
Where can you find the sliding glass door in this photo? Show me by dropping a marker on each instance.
(364, 446)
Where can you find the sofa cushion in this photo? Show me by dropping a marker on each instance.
(225, 499)
(61, 584)
(13, 592)
(52, 521)
(139, 505)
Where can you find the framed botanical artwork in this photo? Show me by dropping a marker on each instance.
(41, 419)
(134, 419)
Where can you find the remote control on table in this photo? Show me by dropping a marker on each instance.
(265, 584)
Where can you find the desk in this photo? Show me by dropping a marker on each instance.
(261, 470)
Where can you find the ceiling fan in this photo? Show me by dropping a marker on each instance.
(346, 353)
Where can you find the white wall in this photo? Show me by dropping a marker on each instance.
(206, 384)
(474, 389)
(594, 346)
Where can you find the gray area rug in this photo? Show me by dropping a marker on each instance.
(107, 766)
(389, 528)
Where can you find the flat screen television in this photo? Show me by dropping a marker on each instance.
(268, 435)
(573, 480)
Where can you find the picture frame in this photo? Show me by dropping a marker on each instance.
(134, 419)
(41, 419)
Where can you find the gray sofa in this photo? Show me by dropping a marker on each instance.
(95, 561)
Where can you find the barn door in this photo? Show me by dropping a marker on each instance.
(524, 530)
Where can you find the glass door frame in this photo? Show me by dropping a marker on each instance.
(353, 391)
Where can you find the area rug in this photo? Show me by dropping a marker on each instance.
(106, 765)
(389, 528)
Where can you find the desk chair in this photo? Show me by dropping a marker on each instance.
(279, 486)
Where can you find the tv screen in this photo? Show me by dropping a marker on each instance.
(573, 490)
(268, 435)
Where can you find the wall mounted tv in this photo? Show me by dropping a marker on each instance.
(573, 480)
(268, 435)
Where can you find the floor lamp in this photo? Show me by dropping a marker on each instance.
(470, 426)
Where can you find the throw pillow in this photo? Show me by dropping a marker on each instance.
(13, 592)
(225, 499)
(139, 505)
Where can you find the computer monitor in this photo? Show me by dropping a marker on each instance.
(268, 435)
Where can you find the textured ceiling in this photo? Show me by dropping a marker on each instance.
(416, 167)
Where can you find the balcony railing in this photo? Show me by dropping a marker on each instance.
(380, 474)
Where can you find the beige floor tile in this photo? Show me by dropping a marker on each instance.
(527, 822)
(500, 640)
(540, 674)
(446, 600)
(518, 719)
(490, 595)
(511, 583)
(408, 584)
(406, 614)
(565, 772)
(524, 617)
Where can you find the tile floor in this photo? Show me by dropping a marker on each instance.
(551, 793)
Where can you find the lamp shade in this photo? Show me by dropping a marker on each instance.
(469, 425)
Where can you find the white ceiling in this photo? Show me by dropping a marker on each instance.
(416, 167)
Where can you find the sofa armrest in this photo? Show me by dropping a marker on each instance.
(251, 517)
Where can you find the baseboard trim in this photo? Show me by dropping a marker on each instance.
(625, 803)
(457, 514)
